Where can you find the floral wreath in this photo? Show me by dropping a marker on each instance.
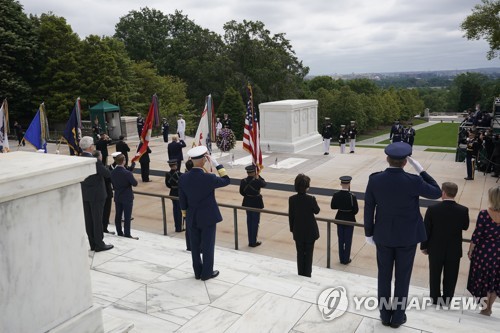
(226, 140)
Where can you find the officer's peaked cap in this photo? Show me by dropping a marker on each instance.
(398, 150)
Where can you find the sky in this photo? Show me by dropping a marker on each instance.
(328, 36)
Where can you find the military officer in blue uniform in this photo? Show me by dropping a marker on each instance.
(347, 206)
(409, 134)
(198, 205)
(172, 182)
(327, 134)
(250, 190)
(396, 134)
(397, 227)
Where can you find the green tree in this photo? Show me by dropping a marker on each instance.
(466, 91)
(267, 61)
(411, 104)
(363, 86)
(57, 80)
(347, 106)
(391, 108)
(434, 99)
(323, 81)
(233, 105)
(484, 22)
(17, 45)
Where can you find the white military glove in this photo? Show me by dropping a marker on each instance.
(370, 240)
(213, 160)
(417, 166)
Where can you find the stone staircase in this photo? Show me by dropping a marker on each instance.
(149, 283)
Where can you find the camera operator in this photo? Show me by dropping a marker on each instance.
(495, 156)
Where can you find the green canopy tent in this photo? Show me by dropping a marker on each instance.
(108, 116)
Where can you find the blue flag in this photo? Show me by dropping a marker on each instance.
(72, 131)
(37, 132)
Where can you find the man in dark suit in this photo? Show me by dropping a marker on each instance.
(444, 223)
(347, 206)
(94, 195)
(174, 150)
(123, 148)
(198, 205)
(123, 180)
(164, 129)
(250, 190)
(172, 182)
(102, 146)
(140, 124)
(397, 227)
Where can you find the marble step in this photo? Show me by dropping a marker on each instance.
(113, 324)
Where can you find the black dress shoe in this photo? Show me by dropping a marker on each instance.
(109, 232)
(214, 274)
(468, 178)
(105, 248)
(347, 262)
(258, 243)
(396, 325)
(129, 236)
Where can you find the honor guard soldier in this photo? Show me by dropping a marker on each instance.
(198, 205)
(327, 134)
(472, 151)
(140, 124)
(409, 134)
(250, 190)
(226, 122)
(181, 128)
(164, 129)
(396, 132)
(347, 206)
(172, 182)
(353, 132)
(342, 138)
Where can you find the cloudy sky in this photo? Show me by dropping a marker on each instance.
(329, 36)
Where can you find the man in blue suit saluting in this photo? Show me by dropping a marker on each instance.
(394, 224)
(198, 205)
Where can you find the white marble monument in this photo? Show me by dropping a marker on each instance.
(44, 273)
(290, 126)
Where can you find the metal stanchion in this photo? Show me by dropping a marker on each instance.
(328, 243)
(235, 228)
(164, 216)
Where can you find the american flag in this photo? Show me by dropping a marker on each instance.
(251, 135)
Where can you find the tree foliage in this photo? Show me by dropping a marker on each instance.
(484, 22)
(233, 105)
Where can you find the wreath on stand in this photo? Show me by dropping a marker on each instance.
(225, 140)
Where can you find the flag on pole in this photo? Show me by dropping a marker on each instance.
(37, 133)
(4, 126)
(153, 119)
(73, 131)
(205, 134)
(251, 134)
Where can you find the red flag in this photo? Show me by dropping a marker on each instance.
(251, 135)
(151, 120)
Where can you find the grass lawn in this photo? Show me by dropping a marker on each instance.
(440, 135)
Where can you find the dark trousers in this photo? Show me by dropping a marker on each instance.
(106, 213)
(176, 208)
(471, 166)
(202, 240)
(449, 268)
(396, 138)
(92, 211)
(344, 233)
(304, 257)
(124, 208)
(253, 219)
(145, 171)
(401, 259)
(188, 239)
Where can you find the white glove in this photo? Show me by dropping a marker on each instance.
(370, 240)
(417, 166)
(213, 160)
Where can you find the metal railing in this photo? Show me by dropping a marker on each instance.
(235, 209)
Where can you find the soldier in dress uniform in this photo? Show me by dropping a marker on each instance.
(172, 182)
(397, 227)
(396, 134)
(409, 134)
(327, 134)
(164, 129)
(140, 123)
(198, 205)
(347, 206)
(181, 128)
(474, 143)
(250, 190)
(226, 122)
(353, 132)
(342, 138)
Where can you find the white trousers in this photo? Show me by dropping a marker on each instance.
(326, 145)
(342, 148)
(352, 144)
(181, 135)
